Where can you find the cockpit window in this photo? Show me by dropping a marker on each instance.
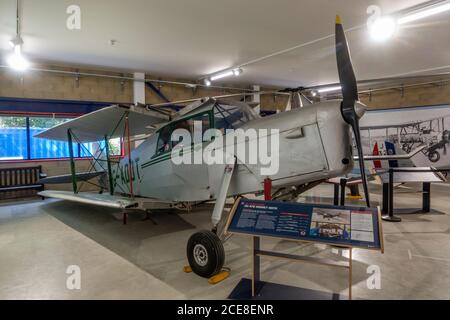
(163, 141)
(231, 117)
(195, 125)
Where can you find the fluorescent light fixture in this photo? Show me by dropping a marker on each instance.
(17, 61)
(234, 72)
(329, 89)
(382, 28)
(222, 75)
(424, 13)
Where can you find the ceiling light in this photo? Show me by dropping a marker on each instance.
(222, 75)
(17, 41)
(329, 89)
(233, 72)
(237, 71)
(314, 93)
(207, 82)
(17, 61)
(423, 13)
(382, 28)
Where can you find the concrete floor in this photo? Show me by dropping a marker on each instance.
(40, 239)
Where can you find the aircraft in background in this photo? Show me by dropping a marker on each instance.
(402, 138)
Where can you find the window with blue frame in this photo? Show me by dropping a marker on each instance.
(17, 141)
(43, 148)
(13, 138)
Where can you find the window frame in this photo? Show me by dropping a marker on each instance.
(210, 114)
(77, 146)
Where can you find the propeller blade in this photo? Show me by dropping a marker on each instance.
(345, 67)
(350, 97)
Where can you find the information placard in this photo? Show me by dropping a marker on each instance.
(341, 226)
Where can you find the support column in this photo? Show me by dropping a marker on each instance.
(138, 95)
(139, 88)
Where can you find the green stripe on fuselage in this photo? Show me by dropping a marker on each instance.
(164, 157)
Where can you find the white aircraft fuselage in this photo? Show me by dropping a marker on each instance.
(314, 145)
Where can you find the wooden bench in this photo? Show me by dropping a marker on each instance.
(18, 179)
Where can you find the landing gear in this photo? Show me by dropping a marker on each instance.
(205, 253)
(434, 156)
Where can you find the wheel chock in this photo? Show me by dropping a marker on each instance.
(219, 277)
(351, 197)
(187, 269)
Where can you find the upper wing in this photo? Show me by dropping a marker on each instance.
(107, 122)
(399, 125)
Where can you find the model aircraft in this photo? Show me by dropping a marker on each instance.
(315, 144)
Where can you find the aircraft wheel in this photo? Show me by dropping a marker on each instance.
(205, 253)
(434, 156)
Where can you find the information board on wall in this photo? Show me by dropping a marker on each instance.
(343, 226)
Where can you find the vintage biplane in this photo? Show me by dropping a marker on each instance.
(315, 144)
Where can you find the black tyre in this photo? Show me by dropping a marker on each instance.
(205, 253)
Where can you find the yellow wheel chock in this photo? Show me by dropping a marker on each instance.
(187, 269)
(219, 277)
(214, 279)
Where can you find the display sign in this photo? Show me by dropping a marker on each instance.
(342, 226)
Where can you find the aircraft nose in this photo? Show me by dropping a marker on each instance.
(360, 110)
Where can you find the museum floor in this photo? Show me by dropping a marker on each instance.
(40, 239)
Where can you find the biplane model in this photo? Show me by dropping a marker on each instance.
(406, 136)
(315, 144)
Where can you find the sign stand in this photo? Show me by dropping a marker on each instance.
(256, 273)
(257, 253)
(256, 242)
(310, 223)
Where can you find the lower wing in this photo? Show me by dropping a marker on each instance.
(103, 200)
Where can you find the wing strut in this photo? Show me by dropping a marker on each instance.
(130, 169)
(108, 162)
(72, 162)
(223, 192)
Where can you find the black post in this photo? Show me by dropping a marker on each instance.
(343, 185)
(426, 197)
(256, 266)
(391, 193)
(390, 217)
(385, 198)
(336, 194)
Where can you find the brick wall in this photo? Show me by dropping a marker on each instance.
(418, 96)
(43, 85)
